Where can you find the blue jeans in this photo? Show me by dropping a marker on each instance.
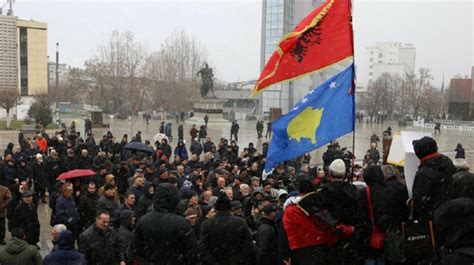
(378, 261)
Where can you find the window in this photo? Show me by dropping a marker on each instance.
(380, 55)
(371, 60)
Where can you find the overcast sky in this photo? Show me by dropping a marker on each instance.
(441, 31)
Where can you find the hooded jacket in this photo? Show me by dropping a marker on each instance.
(162, 236)
(125, 237)
(145, 201)
(181, 151)
(454, 221)
(65, 255)
(432, 185)
(18, 252)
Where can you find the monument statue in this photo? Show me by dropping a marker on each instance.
(207, 83)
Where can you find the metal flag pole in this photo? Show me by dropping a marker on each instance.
(354, 93)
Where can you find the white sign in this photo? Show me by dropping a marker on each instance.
(402, 154)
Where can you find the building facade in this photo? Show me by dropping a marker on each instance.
(8, 54)
(23, 60)
(33, 59)
(460, 92)
(389, 57)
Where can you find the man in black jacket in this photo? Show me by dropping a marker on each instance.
(225, 239)
(99, 242)
(163, 237)
(25, 216)
(266, 237)
(146, 200)
(87, 205)
(125, 237)
(433, 179)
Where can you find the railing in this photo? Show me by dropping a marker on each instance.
(446, 124)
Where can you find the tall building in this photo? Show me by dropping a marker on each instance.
(278, 18)
(389, 57)
(9, 53)
(23, 59)
(33, 53)
(460, 92)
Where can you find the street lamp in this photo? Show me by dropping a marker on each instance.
(57, 74)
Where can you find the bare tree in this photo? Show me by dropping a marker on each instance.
(8, 100)
(373, 100)
(174, 67)
(115, 67)
(433, 102)
(416, 87)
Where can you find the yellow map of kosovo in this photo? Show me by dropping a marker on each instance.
(305, 124)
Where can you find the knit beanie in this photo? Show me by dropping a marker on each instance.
(223, 203)
(425, 146)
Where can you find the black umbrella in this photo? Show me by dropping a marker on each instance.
(137, 146)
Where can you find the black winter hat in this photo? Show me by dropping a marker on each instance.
(425, 146)
(223, 203)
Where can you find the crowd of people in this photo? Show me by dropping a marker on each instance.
(216, 205)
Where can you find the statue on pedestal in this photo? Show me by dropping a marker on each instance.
(207, 82)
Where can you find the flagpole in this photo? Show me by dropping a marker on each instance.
(353, 91)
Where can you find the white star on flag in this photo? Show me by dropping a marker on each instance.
(304, 100)
(332, 85)
(295, 108)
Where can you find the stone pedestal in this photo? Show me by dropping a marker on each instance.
(214, 108)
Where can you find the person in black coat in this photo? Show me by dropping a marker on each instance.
(196, 148)
(166, 148)
(265, 238)
(396, 197)
(65, 254)
(99, 242)
(40, 177)
(225, 239)
(53, 165)
(25, 216)
(374, 178)
(162, 236)
(454, 220)
(463, 185)
(459, 152)
(125, 236)
(87, 205)
(68, 161)
(433, 180)
(180, 133)
(146, 200)
(108, 201)
(66, 210)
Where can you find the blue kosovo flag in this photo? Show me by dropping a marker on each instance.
(324, 114)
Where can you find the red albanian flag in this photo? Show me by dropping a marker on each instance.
(321, 39)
